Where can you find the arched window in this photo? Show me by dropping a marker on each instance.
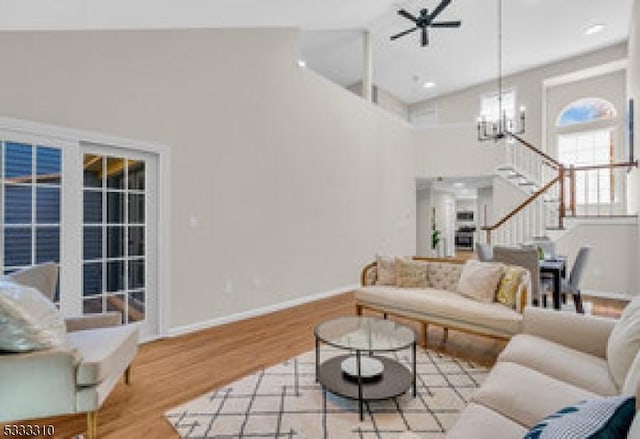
(586, 110)
(586, 137)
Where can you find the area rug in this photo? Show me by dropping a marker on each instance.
(284, 401)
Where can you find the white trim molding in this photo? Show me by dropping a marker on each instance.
(198, 326)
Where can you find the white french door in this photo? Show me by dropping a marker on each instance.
(119, 234)
(92, 209)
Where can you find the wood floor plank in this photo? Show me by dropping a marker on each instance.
(172, 371)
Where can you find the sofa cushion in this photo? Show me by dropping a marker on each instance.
(411, 274)
(444, 275)
(479, 280)
(443, 305)
(526, 395)
(507, 292)
(103, 352)
(632, 380)
(386, 270)
(569, 365)
(624, 341)
(600, 418)
(479, 422)
(28, 320)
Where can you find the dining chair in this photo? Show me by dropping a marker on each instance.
(523, 257)
(485, 252)
(572, 284)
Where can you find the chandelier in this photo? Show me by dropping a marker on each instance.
(502, 125)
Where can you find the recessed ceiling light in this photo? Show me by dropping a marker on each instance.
(458, 184)
(429, 84)
(302, 63)
(594, 29)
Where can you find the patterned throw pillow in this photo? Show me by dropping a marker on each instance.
(508, 287)
(386, 267)
(603, 418)
(444, 275)
(411, 274)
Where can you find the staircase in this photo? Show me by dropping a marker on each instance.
(551, 193)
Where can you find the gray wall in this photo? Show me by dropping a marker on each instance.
(295, 183)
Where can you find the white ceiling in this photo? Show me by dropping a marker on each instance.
(535, 32)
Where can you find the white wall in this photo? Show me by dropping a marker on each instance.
(614, 252)
(384, 100)
(295, 182)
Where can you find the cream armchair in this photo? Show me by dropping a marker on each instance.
(74, 378)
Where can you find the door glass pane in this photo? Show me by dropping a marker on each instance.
(136, 306)
(17, 204)
(19, 166)
(115, 242)
(136, 208)
(48, 165)
(92, 243)
(115, 276)
(116, 302)
(92, 305)
(92, 278)
(136, 175)
(17, 246)
(136, 274)
(47, 244)
(48, 205)
(115, 172)
(136, 241)
(115, 207)
(92, 206)
(93, 170)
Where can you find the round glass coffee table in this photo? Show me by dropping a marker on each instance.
(361, 374)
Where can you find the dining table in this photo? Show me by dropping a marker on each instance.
(557, 268)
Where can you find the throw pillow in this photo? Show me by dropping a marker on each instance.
(479, 280)
(508, 287)
(624, 342)
(594, 419)
(444, 275)
(411, 274)
(28, 320)
(386, 266)
(42, 277)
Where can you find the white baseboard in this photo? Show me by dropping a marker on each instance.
(198, 326)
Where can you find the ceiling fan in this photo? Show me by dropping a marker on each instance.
(425, 20)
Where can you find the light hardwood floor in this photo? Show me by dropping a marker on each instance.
(172, 371)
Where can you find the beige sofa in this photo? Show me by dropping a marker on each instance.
(559, 359)
(440, 304)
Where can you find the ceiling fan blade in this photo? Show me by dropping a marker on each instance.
(446, 24)
(425, 37)
(443, 4)
(407, 15)
(401, 34)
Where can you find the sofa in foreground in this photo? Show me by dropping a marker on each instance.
(559, 360)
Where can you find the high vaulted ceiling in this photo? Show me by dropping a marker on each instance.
(536, 32)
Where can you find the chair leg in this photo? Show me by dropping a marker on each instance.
(92, 425)
(446, 335)
(577, 300)
(424, 328)
(127, 375)
(384, 315)
(358, 309)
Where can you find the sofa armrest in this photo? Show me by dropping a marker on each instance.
(37, 384)
(577, 331)
(93, 321)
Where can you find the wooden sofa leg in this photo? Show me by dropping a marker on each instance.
(92, 425)
(446, 335)
(384, 316)
(424, 327)
(127, 375)
(358, 309)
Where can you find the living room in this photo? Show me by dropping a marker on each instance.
(268, 185)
